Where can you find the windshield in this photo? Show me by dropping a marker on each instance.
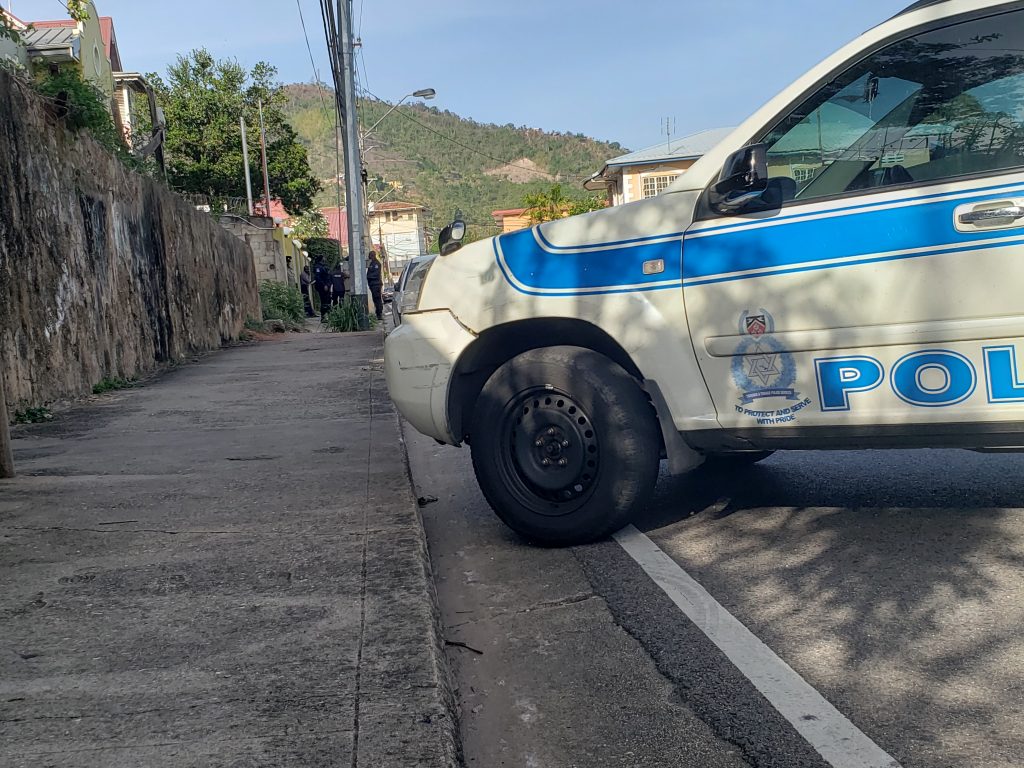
(944, 103)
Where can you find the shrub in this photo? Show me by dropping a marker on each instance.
(282, 302)
(323, 247)
(112, 385)
(345, 317)
(33, 416)
(86, 109)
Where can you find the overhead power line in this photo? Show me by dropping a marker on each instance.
(331, 39)
(331, 36)
(312, 59)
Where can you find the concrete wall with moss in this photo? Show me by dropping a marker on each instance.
(103, 273)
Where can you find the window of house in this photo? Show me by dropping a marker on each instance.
(944, 103)
(803, 175)
(652, 185)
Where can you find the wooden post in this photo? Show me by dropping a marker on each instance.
(6, 454)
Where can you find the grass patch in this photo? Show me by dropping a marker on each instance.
(112, 385)
(348, 317)
(282, 302)
(38, 415)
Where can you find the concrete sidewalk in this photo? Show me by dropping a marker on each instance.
(224, 567)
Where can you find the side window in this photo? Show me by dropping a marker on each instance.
(655, 185)
(945, 103)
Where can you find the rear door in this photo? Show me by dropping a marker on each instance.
(888, 287)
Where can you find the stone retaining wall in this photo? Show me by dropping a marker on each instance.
(103, 272)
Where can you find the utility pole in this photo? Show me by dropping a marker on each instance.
(353, 161)
(6, 453)
(266, 175)
(245, 159)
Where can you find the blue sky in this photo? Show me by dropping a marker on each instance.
(606, 68)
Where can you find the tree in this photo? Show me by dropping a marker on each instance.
(311, 224)
(324, 248)
(551, 204)
(547, 205)
(203, 99)
(587, 204)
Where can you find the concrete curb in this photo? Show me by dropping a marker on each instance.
(451, 741)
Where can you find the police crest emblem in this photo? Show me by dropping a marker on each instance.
(761, 366)
(756, 325)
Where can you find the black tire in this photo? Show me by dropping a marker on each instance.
(736, 460)
(565, 445)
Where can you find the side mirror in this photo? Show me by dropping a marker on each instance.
(450, 239)
(743, 181)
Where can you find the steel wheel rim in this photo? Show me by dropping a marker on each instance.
(549, 453)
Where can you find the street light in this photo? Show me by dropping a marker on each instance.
(422, 93)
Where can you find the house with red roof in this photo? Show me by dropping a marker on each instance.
(337, 225)
(278, 212)
(90, 47)
(511, 219)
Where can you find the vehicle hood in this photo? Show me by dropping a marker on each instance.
(590, 255)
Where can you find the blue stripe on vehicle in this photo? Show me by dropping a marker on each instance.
(798, 244)
(868, 260)
(633, 240)
(592, 271)
(796, 214)
(967, 193)
(804, 242)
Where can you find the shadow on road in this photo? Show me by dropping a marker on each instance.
(891, 580)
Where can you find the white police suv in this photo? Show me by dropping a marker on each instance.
(846, 270)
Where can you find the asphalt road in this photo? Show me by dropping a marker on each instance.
(891, 582)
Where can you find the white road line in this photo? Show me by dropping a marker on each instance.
(824, 727)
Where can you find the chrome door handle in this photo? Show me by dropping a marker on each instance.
(1013, 212)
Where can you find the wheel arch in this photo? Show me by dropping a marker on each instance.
(497, 345)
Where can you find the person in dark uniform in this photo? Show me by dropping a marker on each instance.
(306, 281)
(375, 283)
(337, 285)
(322, 281)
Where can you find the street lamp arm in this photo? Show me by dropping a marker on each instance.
(369, 130)
(423, 93)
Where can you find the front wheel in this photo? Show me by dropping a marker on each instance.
(565, 445)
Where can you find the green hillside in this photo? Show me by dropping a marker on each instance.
(446, 162)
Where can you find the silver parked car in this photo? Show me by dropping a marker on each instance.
(397, 306)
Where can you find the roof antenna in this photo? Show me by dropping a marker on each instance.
(669, 130)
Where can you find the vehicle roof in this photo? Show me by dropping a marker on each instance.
(918, 4)
(923, 4)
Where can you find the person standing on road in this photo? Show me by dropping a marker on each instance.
(306, 281)
(375, 284)
(322, 280)
(337, 285)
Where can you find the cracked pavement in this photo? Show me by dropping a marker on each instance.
(224, 567)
